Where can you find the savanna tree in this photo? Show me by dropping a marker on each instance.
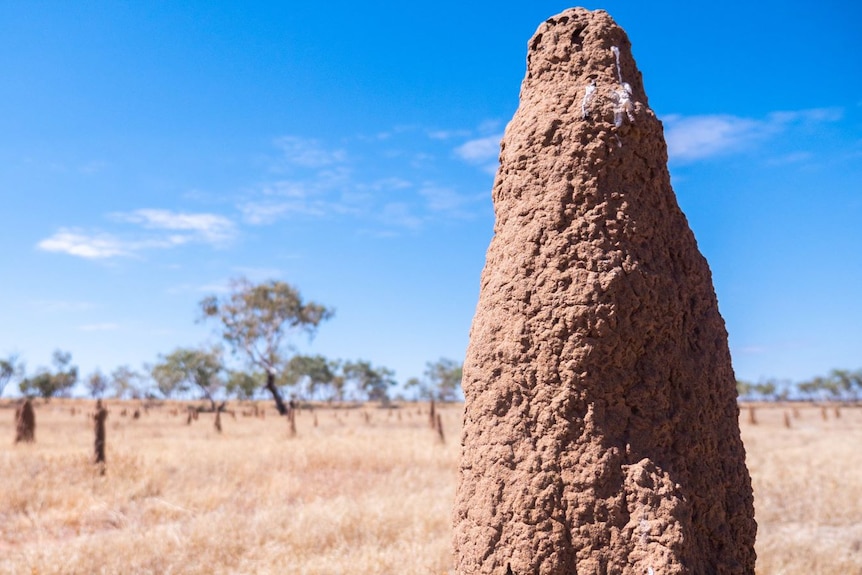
(47, 384)
(258, 322)
(186, 367)
(313, 373)
(443, 378)
(373, 382)
(97, 384)
(243, 385)
(9, 368)
(125, 381)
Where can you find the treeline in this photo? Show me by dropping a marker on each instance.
(193, 372)
(258, 323)
(838, 385)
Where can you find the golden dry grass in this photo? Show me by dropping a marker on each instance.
(807, 490)
(346, 496)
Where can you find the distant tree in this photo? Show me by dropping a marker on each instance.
(126, 381)
(743, 388)
(257, 322)
(373, 382)
(97, 384)
(844, 382)
(47, 384)
(809, 388)
(186, 367)
(311, 374)
(421, 388)
(443, 378)
(856, 377)
(765, 389)
(10, 368)
(243, 385)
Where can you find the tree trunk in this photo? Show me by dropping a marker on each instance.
(279, 403)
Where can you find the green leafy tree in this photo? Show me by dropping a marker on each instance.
(126, 382)
(47, 384)
(97, 384)
(765, 389)
(186, 367)
(809, 388)
(421, 388)
(443, 378)
(844, 381)
(258, 321)
(10, 369)
(311, 374)
(373, 382)
(243, 385)
(856, 377)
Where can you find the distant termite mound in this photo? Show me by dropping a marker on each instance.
(601, 431)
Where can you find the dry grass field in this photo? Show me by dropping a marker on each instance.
(366, 491)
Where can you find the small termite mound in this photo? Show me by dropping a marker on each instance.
(99, 418)
(440, 435)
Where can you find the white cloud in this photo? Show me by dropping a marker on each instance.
(307, 153)
(691, 138)
(447, 134)
(77, 243)
(205, 228)
(811, 116)
(480, 150)
(210, 228)
(696, 137)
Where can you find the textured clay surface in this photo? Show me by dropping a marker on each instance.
(601, 432)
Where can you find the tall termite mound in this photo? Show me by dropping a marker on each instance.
(25, 422)
(601, 431)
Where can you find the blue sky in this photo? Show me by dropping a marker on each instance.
(149, 152)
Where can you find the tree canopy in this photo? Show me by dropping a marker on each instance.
(443, 379)
(47, 384)
(258, 322)
(9, 368)
(186, 367)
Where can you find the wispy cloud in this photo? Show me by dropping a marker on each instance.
(696, 137)
(166, 229)
(93, 167)
(448, 202)
(483, 152)
(374, 182)
(78, 243)
(447, 134)
(480, 150)
(400, 215)
(51, 306)
(307, 153)
(99, 327)
(220, 287)
(259, 213)
(210, 228)
(692, 138)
